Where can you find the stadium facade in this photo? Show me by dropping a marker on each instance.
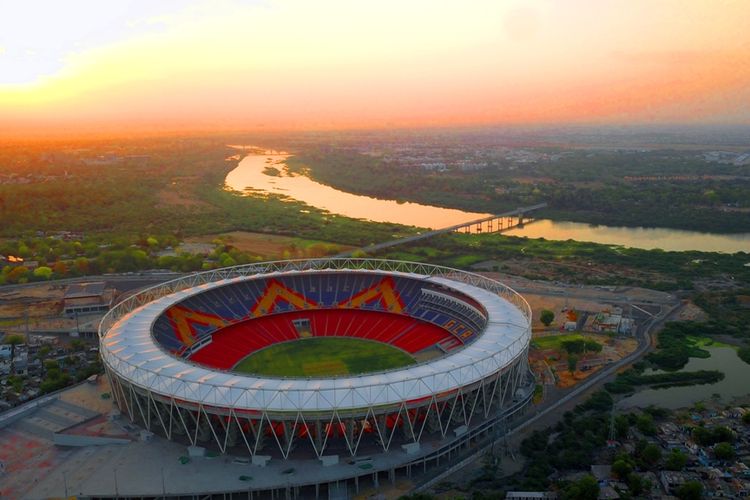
(170, 353)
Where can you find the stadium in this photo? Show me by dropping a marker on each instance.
(382, 363)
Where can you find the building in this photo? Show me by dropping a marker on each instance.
(171, 354)
(87, 298)
(530, 495)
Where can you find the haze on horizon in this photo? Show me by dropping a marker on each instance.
(134, 65)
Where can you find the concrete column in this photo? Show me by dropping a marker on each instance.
(319, 436)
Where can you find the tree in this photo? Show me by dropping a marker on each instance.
(622, 426)
(645, 424)
(13, 341)
(592, 346)
(724, 451)
(690, 490)
(17, 274)
(622, 468)
(636, 484)
(676, 460)
(546, 317)
(82, 265)
(572, 364)
(77, 345)
(60, 268)
(746, 418)
(585, 488)
(42, 272)
(651, 455)
(574, 346)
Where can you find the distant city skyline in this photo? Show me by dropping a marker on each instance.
(139, 66)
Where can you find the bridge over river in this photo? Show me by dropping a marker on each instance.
(491, 224)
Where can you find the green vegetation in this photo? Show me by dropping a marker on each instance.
(557, 341)
(172, 187)
(728, 311)
(572, 363)
(628, 380)
(744, 354)
(705, 436)
(54, 378)
(546, 317)
(690, 490)
(576, 261)
(678, 342)
(324, 357)
(577, 437)
(601, 187)
(724, 451)
(585, 488)
(13, 341)
(650, 455)
(579, 346)
(676, 460)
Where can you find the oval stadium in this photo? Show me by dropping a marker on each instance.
(373, 362)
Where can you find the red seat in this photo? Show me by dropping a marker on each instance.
(231, 344)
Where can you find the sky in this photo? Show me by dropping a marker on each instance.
(89, 65)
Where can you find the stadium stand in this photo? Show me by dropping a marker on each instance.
(230, 345)
(227, 323)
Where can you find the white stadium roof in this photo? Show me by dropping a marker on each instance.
(130, 350)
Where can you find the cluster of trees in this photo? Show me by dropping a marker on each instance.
(177, 190)
(62, 259)
(615, 188)
(677, 345)
(728, 312)
(720, 437)
(707, 436)
(629, 266)
(581, 346)
(574, 442)
(577, 437)
(628, 380)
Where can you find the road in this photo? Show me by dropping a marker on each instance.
(544, 416)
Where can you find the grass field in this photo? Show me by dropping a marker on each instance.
(555, 341)
(324, 357)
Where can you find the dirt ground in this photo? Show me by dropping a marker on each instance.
(174, 195)
(266, 245)
(556, 304)
(551, 365)
(691, 312)
(553, 270)
(42, 300)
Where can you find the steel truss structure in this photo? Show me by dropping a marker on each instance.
(428, 403)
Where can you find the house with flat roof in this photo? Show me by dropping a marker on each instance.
(87, 298)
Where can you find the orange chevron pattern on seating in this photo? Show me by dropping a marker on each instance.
(184, 320)
(384, 290)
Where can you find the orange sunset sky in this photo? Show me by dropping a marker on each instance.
(292, 64)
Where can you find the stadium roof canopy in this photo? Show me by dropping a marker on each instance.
(129, 348)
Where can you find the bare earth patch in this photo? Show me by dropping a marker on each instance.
(269, 245)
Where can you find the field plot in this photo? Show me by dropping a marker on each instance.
(324, 357)
(272, 245)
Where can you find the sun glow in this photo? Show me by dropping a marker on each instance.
(292, 64)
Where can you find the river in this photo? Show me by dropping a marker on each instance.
(636, 237)
(724, 359)
(253, 175)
